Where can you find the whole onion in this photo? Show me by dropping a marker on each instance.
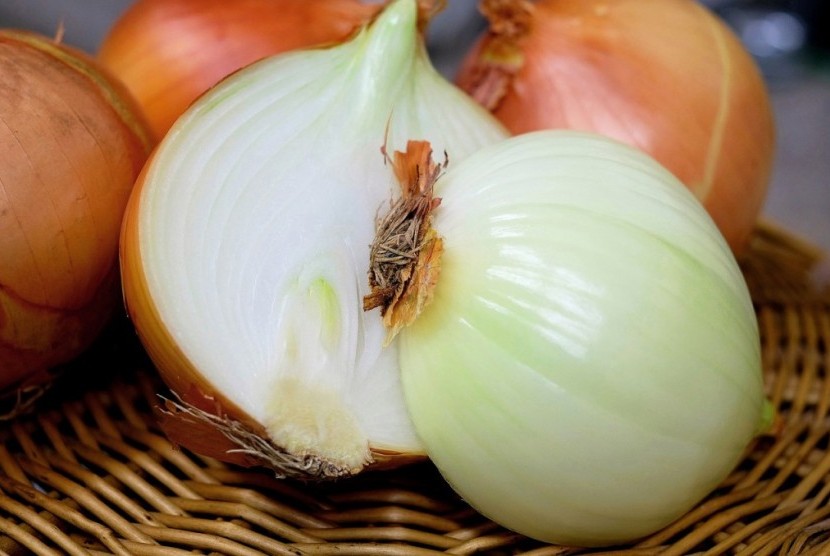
(666, 76)
(168, 52)
(72, 142)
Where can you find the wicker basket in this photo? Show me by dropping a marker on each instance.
(88, 472)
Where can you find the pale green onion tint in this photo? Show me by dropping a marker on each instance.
(590, 366)
(256, 220)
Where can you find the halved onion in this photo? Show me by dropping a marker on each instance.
(246, 243)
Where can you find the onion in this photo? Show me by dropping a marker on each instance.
(168, 52)
(245, 251)
(667, 77)
(73, 142)
(589, 366)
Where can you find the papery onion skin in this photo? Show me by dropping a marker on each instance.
(168, 52)
(665, 76)
(73, 142)
(589, 368)
(269, 181)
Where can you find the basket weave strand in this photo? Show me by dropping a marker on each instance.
(89, 472)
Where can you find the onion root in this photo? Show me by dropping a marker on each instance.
(404, 259)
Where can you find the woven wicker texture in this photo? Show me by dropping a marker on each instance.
(88, 471)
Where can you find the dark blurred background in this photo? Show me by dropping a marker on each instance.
(790, 39)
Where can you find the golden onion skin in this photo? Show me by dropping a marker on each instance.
(73, 142)
(665, 76)
(168, 52)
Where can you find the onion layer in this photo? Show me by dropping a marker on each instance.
(168, 52)
(667, 77)
(73, 143)
(589, 367)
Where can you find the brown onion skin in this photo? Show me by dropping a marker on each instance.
(73, 142)
(666, 76)
(168, 52)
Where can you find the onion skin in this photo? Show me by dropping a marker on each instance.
(665, 76)
(168, 52)
(73, 142)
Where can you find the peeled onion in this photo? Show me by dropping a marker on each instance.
(168, 52)
(73, 142)
(589, 367)
(665, 76)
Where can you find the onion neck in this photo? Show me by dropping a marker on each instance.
(388, 49)
(500, 55)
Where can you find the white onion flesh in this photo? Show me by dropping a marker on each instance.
(589, 368)
(255, 218)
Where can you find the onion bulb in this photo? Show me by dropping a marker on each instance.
(73, 142)
(168, 52)
(245, 251)
(666, 76)
(589, 366)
